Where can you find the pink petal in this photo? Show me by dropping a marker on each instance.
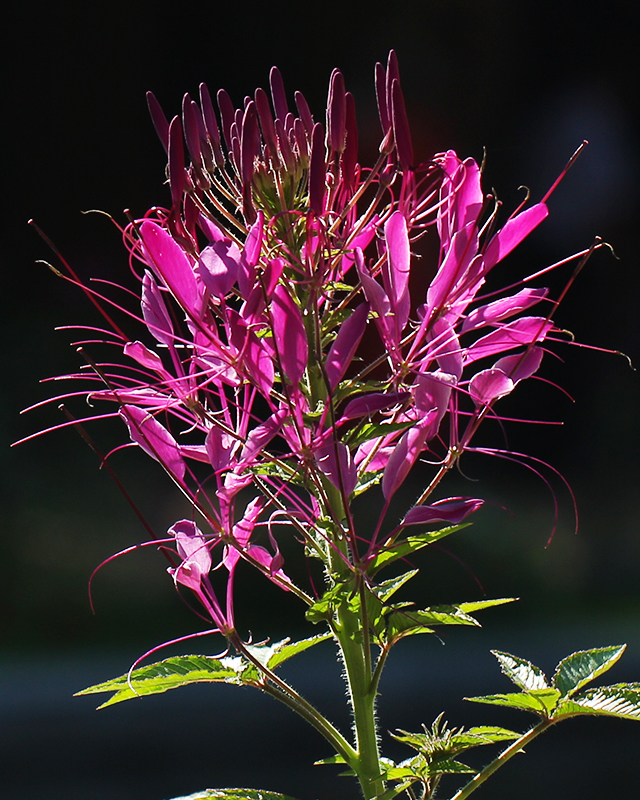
(345, 345)
(154, 439)
(452, 510)
(219, 447)
(147, 358)
(396, 268)
(525, 330)
(521, 366)
(260, 437)
(169, 261)
(290, 335)
(338, 469)
(489, 385)
(369, 404)
(154, 311)
(513, 232)
(194, 551)
(503, 308)
(218, 267)
(405, 455)
(362, 240)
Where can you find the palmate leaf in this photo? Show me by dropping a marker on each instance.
(482, 734)
(523, 673)
(580, 668)
(410, 545)
(234, 794)
(285, 650)
(173, 672)
(539, 701)
(409, 623)
(620, 700)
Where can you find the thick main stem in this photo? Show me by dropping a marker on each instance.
(349, 628)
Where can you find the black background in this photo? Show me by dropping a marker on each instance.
(528, 82)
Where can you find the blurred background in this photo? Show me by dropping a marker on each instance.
(524, 82)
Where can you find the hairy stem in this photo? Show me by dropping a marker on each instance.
(502, 759)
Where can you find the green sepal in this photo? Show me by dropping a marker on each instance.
(523, 673)
(620, 700)
(409, 545)
(174, 672)
(580, 668)
(234, 794)
(540, 701)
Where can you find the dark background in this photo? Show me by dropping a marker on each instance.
(528, 81)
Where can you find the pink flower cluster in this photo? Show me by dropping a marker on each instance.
(264, 288)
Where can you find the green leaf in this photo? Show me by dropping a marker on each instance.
(286, 651)
(575, 671)
(448, 765)
(173, 672)
(388, 588)
(324, 607)
(234, 794)
(483, 734)
(373, 430)
(366, 481)
(478, 605)
(523, 673)
(410, 545)
(620, 700)
(337, 759)
(539, 701)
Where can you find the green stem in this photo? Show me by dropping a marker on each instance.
(348, 628)
(502, 759)
(288, 695)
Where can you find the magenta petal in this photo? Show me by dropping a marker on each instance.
(340, 469)
(147, 358)
(396, 268)
(345, 345)
(503, 308)
(260, 437)
(405, 455)
(525, 330)
(219, 446)
(513, 232)
(452, 510)
(242, 532)
(362, 240)
(193, 550)
(489, 385)
(218, 266)
(154, 439)
(169, 261)
(154, 311)
(433, 390)
(251, 256)
(290, 335)
(521, 366)
(369, 404)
